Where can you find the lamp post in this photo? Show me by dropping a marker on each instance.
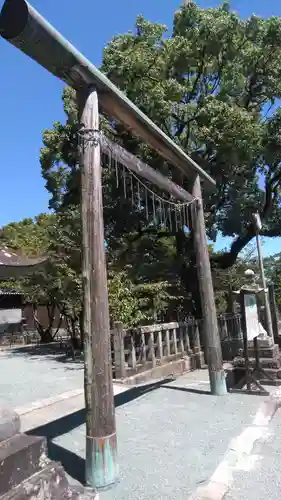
(258, 225)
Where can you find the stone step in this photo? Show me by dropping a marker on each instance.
(48, 484)
(274, 373)
(274, 382)
(277, 340)
(274, 363)
(266, 352)
(20, 457)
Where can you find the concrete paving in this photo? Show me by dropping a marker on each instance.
(172, 435)
(172, 439)
(41, 413)
(261, 477)
(32, 374)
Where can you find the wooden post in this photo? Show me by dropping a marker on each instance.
(119, 351)
(101, 450)
(245, 340)
(210, 325)
(267, 310)
(273, 308)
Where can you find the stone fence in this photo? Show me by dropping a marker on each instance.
(147, 347)
(139, 349)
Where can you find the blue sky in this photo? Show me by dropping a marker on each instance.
(30, 98)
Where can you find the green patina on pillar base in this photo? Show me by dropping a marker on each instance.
(101, 461)
(218, 383)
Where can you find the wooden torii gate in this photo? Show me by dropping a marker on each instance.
(26, 29)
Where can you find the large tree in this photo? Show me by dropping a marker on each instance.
(213, 85)
(30, 237)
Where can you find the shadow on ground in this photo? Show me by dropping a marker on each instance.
(187, 389)
(72, 463)
(54, 351)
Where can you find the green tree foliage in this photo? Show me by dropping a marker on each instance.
(272, 267)
(58, 285)
(123, 302)
(212, 85)
(30, 236)
(233, 278)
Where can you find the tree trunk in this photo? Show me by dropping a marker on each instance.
(46, 335)
(81, 325)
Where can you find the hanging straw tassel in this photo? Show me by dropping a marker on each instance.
(124, 182)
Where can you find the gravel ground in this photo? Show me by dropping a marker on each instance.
(262, 480)
(27, 377)
(170, 440)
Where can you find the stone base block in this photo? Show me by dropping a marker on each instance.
(26, 473)
(20, 457)
(264, 362)
(266, 342)
(48, 484)
(274, 376)
(275, 382)
(266, 352)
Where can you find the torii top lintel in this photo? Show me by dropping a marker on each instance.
(26, 29)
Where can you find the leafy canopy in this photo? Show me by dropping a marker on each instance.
(210, 85)
(213, 85)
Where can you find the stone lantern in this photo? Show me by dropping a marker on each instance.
(269, 356)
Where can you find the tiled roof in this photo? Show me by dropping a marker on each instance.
(9, 291)
(14, 264)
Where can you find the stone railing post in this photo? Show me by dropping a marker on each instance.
(197, 347)
(119, 351)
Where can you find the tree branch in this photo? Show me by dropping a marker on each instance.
(192, 94)
(226, 260)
